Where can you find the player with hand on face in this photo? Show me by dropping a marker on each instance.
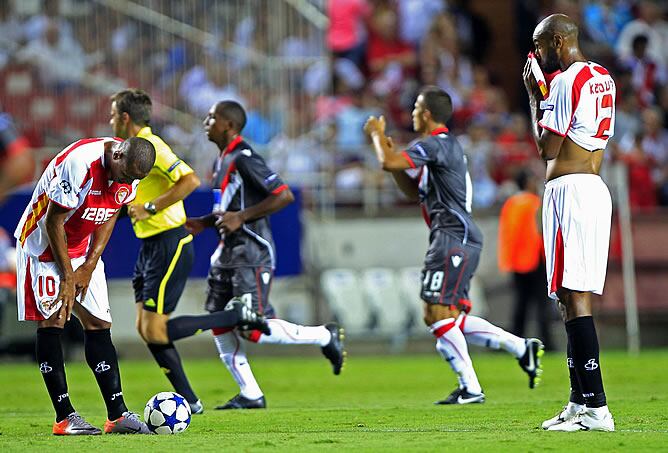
(243, 265)
(166, 255)
(444, 190)
(60, 238)
(571, 128)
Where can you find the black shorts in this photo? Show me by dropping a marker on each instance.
(162, 269)
(448, 269)
(250, 283)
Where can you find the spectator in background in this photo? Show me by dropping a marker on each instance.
(202, 83)
(36, 26)
(515, 148)
(650, 24)
(60, 62)
(646, 73)
(627, 123)
(11, 32)
(655, 145)
(443, 64)
(472, 30)
(346, 34)
(16, 161)
(605, 19)
(391, 61)
(415, 17)
(642, 190)
(521, 252)
(479, 151)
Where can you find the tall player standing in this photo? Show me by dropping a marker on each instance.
(455, 241)
(243, 265)
(60, 238)
(571, 129)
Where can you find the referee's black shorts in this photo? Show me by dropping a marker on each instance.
(162, 269)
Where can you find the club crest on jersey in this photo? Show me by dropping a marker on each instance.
(122, 195)
(456, 260)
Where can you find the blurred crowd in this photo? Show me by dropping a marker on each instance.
(308, 86)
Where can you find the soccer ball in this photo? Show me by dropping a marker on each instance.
(167, 413)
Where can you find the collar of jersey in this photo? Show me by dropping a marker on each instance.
(233, 144)
(440, 130)
(144, 131)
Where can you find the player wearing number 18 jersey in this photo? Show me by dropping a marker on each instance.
(455, 243)
(60, 239)
(571, 128)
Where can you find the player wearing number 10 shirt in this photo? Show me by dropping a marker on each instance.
(59, 241)
(571, 129)
(443, 187)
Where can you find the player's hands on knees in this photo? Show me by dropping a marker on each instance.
(66, 294)
(82, 278)
(229, 222)
(375, 125)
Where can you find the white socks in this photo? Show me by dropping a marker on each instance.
(284, 332)
(451, 344)
(233, 354)
(483, 333)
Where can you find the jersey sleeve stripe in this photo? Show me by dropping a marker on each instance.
(551, 130)
(408, 159)
(279, 189)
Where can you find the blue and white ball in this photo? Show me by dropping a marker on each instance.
(167, 413)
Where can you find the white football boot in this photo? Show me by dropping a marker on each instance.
(569, 411)
(589, 419)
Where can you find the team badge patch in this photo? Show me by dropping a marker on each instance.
(122, 195)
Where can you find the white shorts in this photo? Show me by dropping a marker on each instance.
(577, 212)
(37, 285)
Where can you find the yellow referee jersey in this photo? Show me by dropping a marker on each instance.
(168, 169)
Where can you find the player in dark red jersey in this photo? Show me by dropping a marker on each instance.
(443, 188)
(243, 265)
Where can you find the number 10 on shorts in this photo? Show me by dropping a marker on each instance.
(46, 286)
(433, 280)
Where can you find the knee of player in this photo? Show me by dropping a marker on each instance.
(96, 324)
(53, 321)
(154, 332)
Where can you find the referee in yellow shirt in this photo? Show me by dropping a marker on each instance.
(166, 255)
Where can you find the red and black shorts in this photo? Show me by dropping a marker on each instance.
(448, 269)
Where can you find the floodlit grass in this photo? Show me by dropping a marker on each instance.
(378, 403)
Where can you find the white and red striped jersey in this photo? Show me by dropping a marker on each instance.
(75, 179)
(581, 105)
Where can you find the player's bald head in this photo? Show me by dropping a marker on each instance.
(140, 155)
(556, 24)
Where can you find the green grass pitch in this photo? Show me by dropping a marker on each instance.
(377, 404)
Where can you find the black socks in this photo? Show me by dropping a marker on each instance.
(49, 353)
(187, 326)
(169, 361)
(102, 359)
(576, 391)
(585, 357)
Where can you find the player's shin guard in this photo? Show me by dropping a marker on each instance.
(169, 361)
(49, 353)
(284, 332)
(101, 358)
(187, 326)
(451, 344)
(232, 352)
(584, 343)
(576, 390)
(481, 332)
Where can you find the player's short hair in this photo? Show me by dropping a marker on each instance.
(233, 112)
(438, 102)
(136, 103)
(141, 154)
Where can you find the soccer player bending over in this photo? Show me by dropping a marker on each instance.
(166, 255)
(60, 239)
(242, 266)
(443, 187)
(571, 128)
